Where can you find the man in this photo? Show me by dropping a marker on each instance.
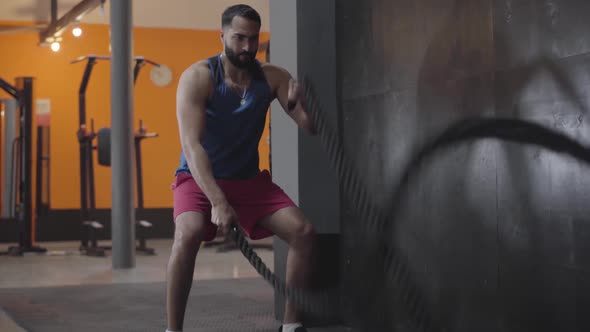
(221, 109)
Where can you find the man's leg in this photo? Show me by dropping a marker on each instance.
(290, 225)
(188, 234)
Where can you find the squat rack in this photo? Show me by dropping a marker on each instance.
(23, 93)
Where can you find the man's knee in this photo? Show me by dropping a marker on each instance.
(189, 231)
(303, 235)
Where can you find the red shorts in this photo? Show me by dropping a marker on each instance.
(252, 199)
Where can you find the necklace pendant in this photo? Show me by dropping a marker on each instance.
(243, 101)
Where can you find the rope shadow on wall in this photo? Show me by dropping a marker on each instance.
(390, 270)
(488, 58)
(393, 263)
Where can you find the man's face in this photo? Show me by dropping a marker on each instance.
(240, 42)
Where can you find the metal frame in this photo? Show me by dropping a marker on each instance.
(43, 180)
(140, 135)
(11, 90)
(23, 92)
(86, 138)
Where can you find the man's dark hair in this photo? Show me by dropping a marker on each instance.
(241, 10)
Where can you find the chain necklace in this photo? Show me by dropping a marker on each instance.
(236, 87)
(243, 101)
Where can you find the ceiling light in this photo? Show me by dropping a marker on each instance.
(77, 31)
(55, 46)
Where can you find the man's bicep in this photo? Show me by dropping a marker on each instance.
(284, 78)
(191, 122)
(280, 78)
(191, 99)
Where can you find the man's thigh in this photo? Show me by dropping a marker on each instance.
(256, 200)
(192, 210)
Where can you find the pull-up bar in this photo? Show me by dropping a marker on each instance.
(86, 138)
(91, 57)
(108, 57)
(91, 61)
(141, 58)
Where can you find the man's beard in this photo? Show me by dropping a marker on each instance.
(236, 61)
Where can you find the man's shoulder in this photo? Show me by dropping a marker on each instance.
(269, 67)
(197, 70)
(272, 71)
(200, 66)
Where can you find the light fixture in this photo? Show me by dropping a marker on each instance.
(77, 31)
(72, 17)
(55, 46)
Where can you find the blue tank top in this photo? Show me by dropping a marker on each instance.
(233, 130)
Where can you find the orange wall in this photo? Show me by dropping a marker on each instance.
(58, 80)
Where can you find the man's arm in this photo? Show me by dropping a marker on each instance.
(289, 91)
(191, 96)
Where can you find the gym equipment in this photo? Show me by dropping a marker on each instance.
(22, 158)
(10, 142)
(42, 181)
(90, 226)
(104, 159)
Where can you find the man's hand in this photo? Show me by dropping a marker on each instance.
(223, 215)
(291, 96)
(296, 96)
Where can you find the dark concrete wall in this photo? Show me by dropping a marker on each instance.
(297, 154)
(284, 133)
(497, 234)
(319, 194)
(317, 60)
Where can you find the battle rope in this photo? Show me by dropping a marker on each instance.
(323, 303)
(376, 224)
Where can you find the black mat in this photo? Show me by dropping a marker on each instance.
(214, 306)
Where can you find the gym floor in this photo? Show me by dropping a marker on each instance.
(64, 291)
